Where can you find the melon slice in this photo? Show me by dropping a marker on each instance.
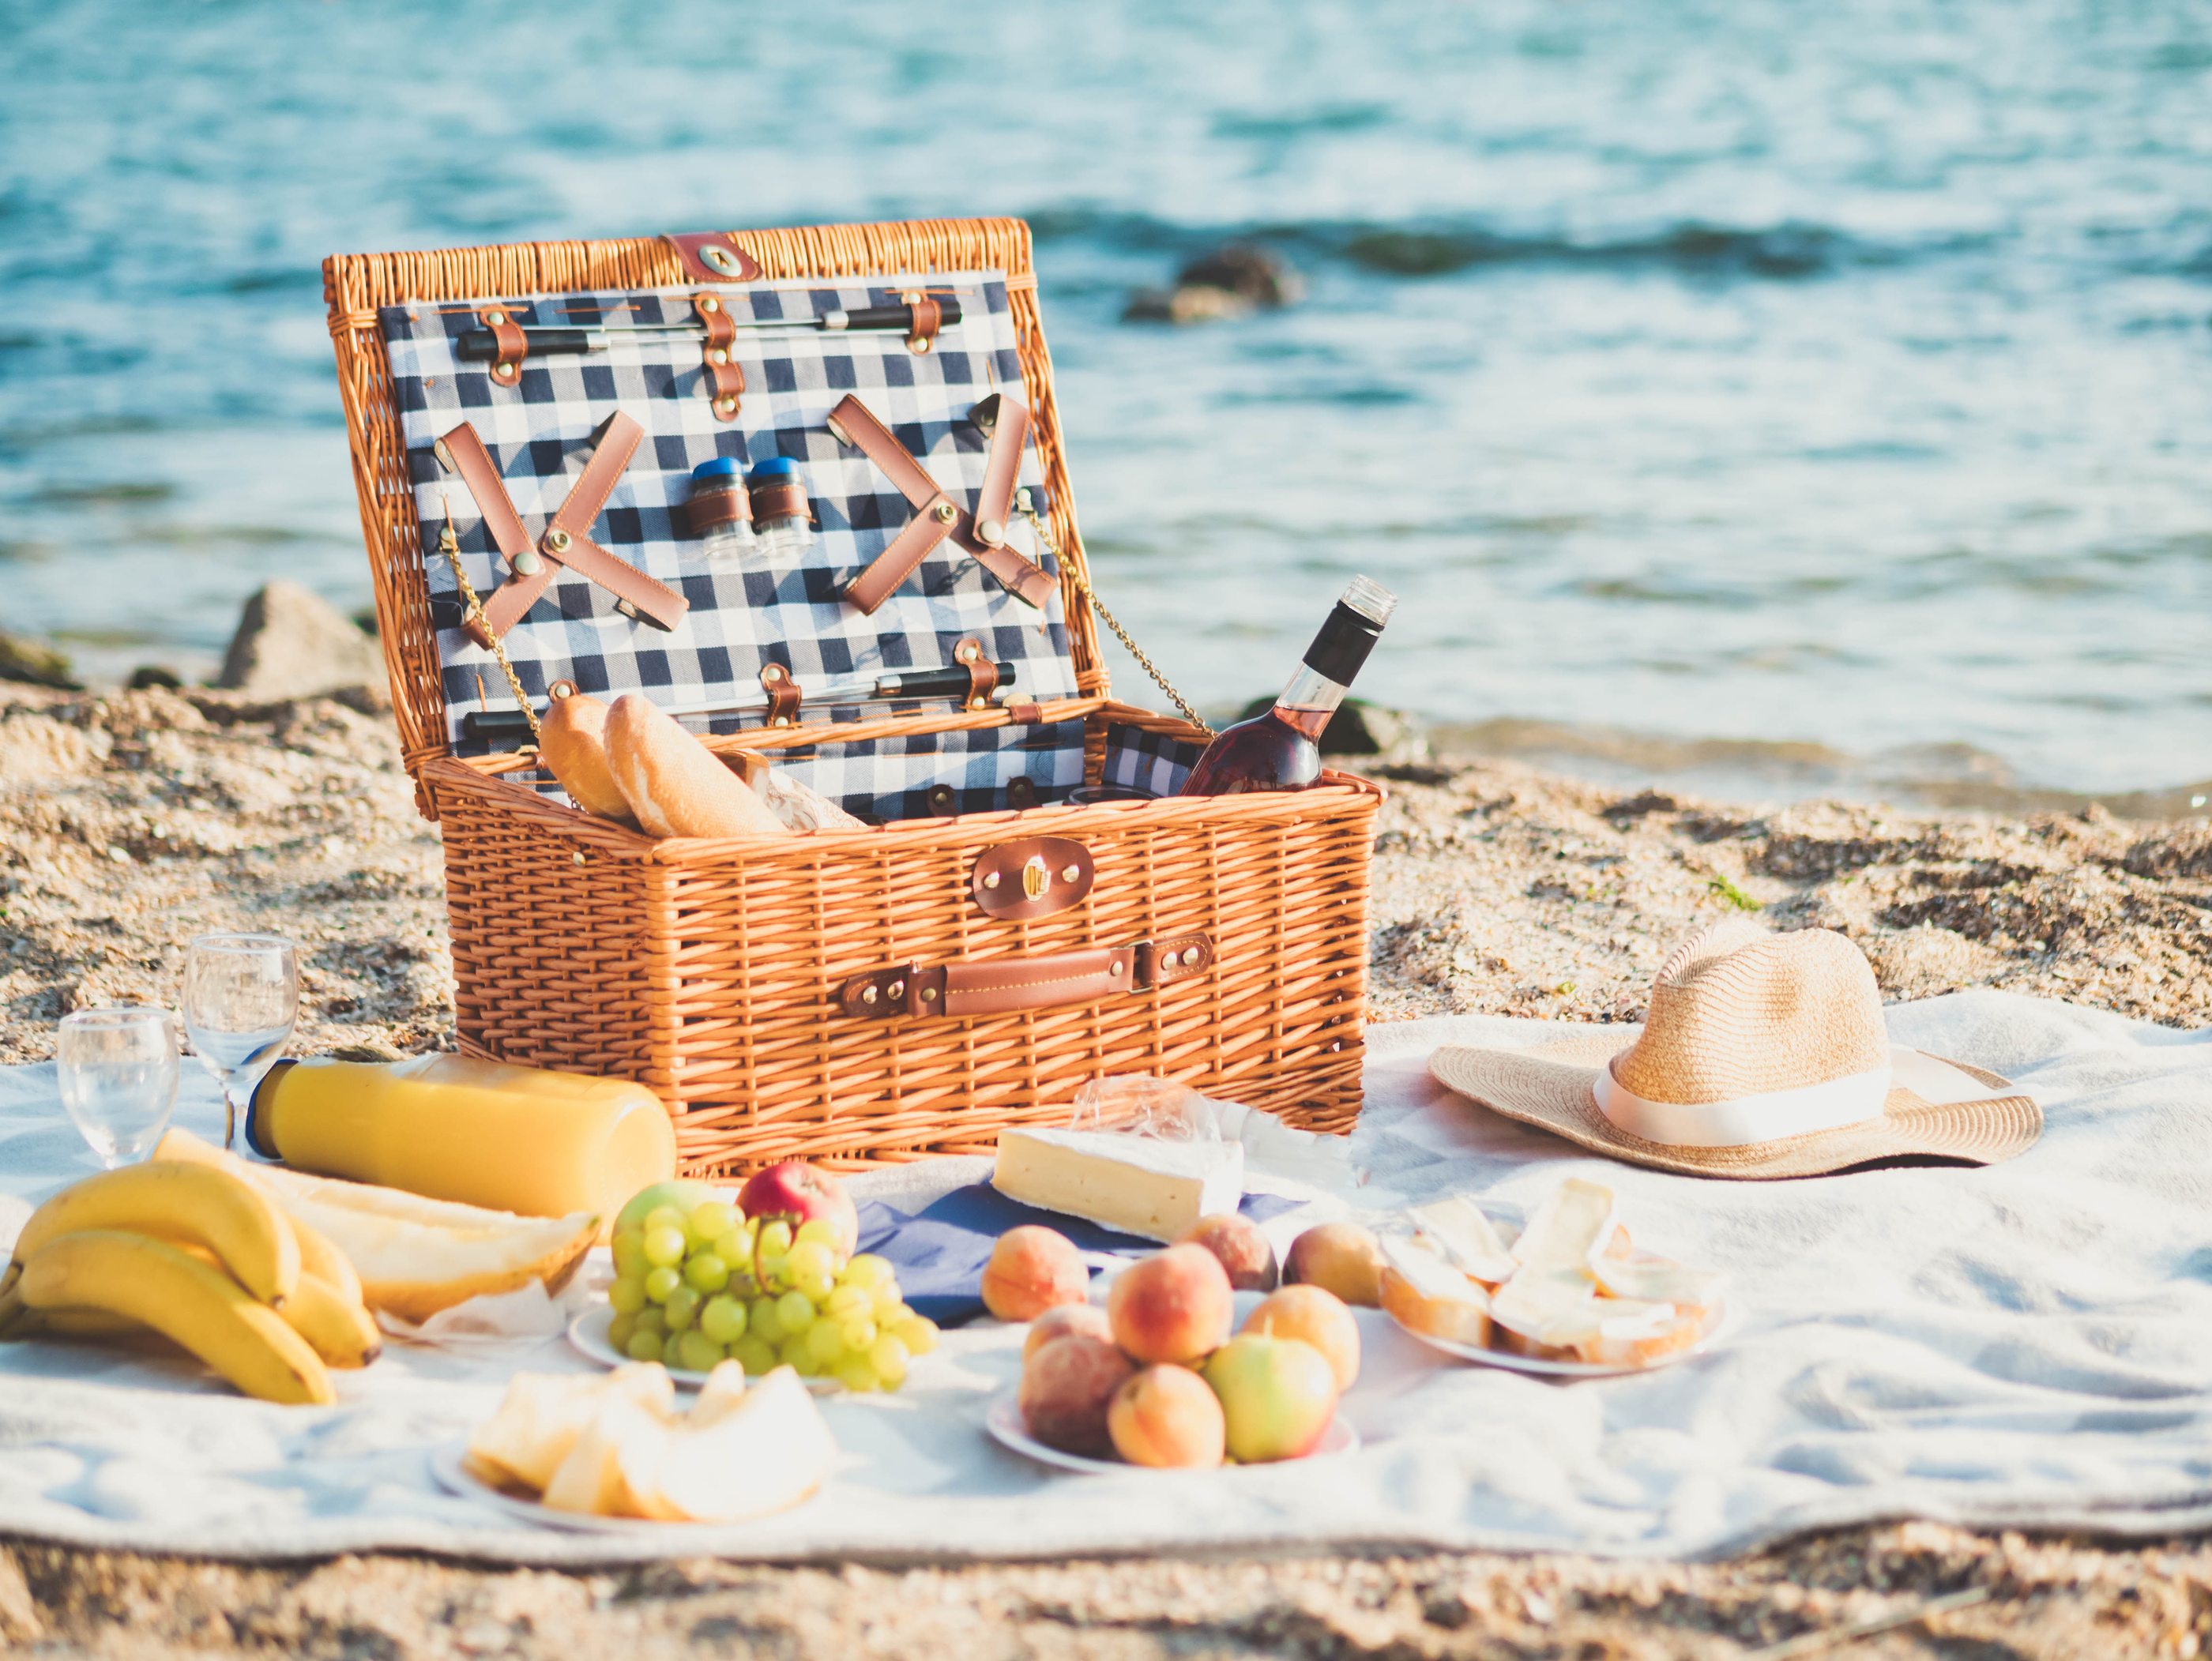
(538, 1423)
(756, 1452)
(415, 1256)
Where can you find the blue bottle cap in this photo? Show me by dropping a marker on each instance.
(776, 467)
(721, 467)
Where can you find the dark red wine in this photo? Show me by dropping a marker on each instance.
(1281, 749)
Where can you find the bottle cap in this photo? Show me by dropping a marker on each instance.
(775, 468)
(721, 467)
(253, 1126)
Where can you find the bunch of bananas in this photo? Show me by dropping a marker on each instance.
(203, 1258)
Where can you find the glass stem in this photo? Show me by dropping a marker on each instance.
(233, 1110)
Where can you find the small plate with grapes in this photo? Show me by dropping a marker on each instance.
(690, 1290)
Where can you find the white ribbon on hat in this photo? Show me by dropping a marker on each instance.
(1767, 1117)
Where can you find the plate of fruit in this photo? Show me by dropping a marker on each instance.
(767, 1278)
(1163, 1376)
(1567, 1296)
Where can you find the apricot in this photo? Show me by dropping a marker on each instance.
(1245, 1255)
(1066, 1388)
(1314, 1315)
(1061, 1319)
(1277, 1396)
(1340, 1257)
(1033, 1269)
(1167, 1415)
(1174, 1306)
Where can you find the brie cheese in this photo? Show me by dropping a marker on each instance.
(1458, 1226)
(1568, 1230)
(1138, 1184)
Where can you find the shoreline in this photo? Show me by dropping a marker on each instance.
(130, 821)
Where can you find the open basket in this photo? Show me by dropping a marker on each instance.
(838, 995)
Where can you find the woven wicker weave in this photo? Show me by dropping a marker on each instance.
(709, 971)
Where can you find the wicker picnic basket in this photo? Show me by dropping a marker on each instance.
(1221, 941)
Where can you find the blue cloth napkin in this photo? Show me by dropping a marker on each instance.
(939, 1252)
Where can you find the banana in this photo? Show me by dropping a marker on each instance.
(184, 1299)
(199, 1204)
(326, 1310)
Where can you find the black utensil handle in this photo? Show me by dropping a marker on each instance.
(898, 317)
(479, 346)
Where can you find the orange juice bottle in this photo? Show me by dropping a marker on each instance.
(447, 1127)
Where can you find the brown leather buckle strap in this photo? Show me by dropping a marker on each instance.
(1004, 985)
(567, 540)
(982, 673)
(1005, 422)
(725, 376)
(928, 318)
(783, 695)
(712, 256)
(512, 345)
(936, 516)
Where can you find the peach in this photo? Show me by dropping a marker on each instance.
(1314, 1315)
(1061, 1319)
(1066, 1388)
(1277, 1396)
(1167, 1415)
(1033, 1269)
(1340, 1257)
(1242, 1249)
(1174, 1306)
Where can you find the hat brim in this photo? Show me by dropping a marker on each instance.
(1549, 1086)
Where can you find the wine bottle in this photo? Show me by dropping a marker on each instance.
(1281, 749)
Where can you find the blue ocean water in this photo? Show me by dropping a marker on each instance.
(1833, 373)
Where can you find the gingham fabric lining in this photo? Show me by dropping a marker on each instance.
(742, 615)
(1147, 760)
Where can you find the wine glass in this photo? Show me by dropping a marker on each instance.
(119, 1078)
(241, 998)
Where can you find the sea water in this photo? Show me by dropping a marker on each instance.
(1839, 375)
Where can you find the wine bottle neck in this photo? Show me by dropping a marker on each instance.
(1309, 700)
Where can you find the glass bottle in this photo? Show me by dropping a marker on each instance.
(1281, 749)
(717, 496)
(781, 516)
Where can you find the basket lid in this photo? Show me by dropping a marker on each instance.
(416, 366)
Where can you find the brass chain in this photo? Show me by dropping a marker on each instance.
(1028, 510)
(452, 549)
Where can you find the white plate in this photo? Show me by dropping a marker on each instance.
(450, 1475)
(1004, 1421)
(1512, 1363)
(587, 1336)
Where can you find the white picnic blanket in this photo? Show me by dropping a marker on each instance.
(2029, 1345)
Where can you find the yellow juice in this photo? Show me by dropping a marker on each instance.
(447, 1127)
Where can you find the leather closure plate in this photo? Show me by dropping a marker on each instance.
(1034, 877)
(712, 256)
(1004, 985)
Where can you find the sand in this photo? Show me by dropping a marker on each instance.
(129, 821)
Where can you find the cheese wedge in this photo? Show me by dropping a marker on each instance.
(1138, 1184)
(1466, 1237)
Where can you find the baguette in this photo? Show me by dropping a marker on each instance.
(572, 742)
(673, 782)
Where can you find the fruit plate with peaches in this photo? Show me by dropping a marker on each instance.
(1007, 1428)
(1567, 1296)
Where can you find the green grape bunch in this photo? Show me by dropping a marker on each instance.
(691, 1291)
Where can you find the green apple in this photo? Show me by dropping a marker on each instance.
(1277, 1396)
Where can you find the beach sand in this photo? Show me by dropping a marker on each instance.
(130, 821)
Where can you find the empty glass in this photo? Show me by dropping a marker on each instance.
(118, 1079)
(241, 998)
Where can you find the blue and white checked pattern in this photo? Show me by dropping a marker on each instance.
(539, 435)
(1147, 760)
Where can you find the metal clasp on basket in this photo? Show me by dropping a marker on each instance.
(1035, 877)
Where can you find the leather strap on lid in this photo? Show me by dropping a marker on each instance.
(936, 517)
(1005, 422)
(712, 256)
(566, 541)
(512, 345)
(982, 673)
(724, 375)
(783, 695)
(928, 318)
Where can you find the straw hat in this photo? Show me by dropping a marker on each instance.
(1764, 1055)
